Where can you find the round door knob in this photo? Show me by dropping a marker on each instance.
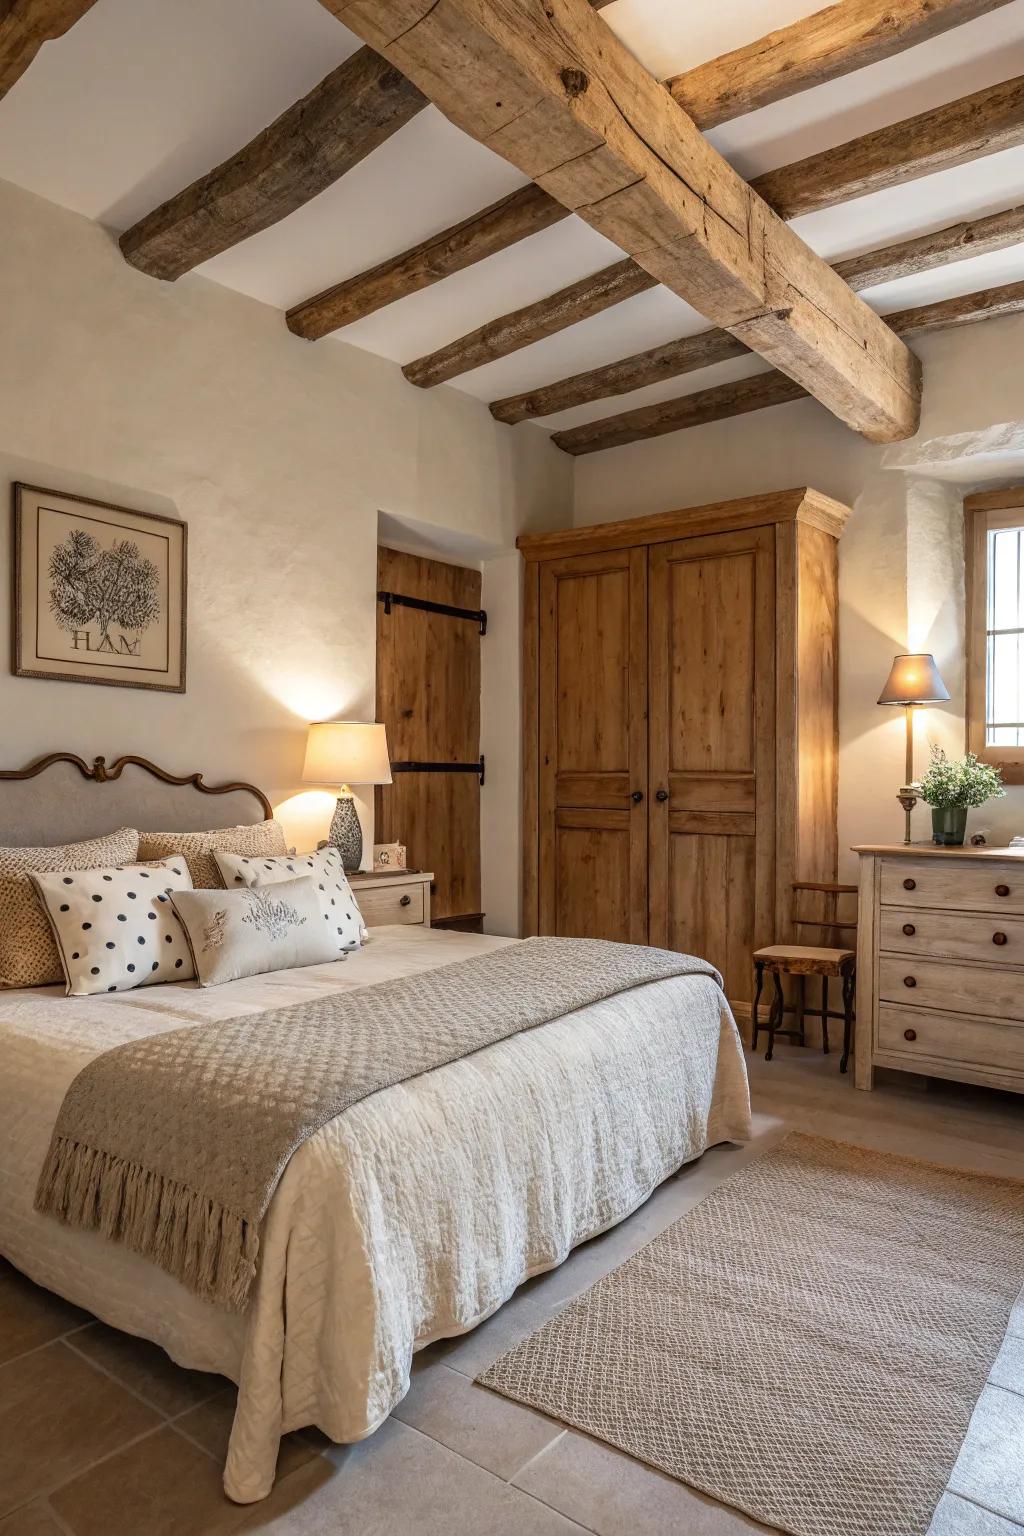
(910, 981)
(406, 900)
(662, 795)
(910, 885)
(637, 796)
(909, 929)
(999, 938)
(910, 1034)
(1002, 890)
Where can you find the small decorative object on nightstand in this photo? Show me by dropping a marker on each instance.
(401, 896)
(346, 752)
(389, 855)
(913, 680)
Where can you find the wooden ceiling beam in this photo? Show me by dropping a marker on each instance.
(962, 130)
(499, 338)
(25, 25)
(513, 218)
(774, 388)
(923, 253)
(845, 35)
(359, 105)
(830, 43)
(827, 173)
(548, 86)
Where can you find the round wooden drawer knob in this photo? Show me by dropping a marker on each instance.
(910, 885)
(999, 938)
(406, 901)
(910, 1034)
(1002, 890)
(909, 981)
(909, 929)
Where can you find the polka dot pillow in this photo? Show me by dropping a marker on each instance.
(337, 903)
(115, 928)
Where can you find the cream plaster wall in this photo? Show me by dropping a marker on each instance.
(901, 558)
(191, 400)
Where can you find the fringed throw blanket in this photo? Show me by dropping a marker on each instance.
(174, 1144)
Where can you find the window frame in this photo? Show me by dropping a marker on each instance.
(984, 511)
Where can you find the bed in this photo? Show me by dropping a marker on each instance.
(412, 1216)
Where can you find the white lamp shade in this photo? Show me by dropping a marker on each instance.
(914, 679)
(346, 752)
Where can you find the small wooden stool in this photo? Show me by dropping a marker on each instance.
(801, 961)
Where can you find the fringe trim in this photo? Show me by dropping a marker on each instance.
(211, 1250)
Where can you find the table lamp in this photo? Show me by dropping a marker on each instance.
(346, 752)
(912, 681)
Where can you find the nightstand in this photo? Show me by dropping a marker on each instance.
(394, 896)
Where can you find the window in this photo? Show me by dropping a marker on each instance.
(994, 531)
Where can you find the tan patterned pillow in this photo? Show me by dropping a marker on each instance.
(262, 837)
(28, 955)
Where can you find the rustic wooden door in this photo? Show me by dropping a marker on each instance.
(428, 696)
(592, 747)
(712, 747)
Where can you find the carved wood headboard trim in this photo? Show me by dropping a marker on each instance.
(99, 771)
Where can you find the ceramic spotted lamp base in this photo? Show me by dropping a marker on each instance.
(346, 834)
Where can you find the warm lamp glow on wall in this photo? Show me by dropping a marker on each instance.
(912, 681)
(346, 752)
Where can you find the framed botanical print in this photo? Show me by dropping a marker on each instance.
(99, 592)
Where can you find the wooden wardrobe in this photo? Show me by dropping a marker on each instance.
(679, 719)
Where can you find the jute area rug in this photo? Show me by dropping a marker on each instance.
(807, 1344)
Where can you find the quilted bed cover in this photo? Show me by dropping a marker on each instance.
(412, 1216)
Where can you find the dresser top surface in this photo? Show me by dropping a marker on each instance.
(932, 851)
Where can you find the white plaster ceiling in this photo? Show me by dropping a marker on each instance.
(143, 96)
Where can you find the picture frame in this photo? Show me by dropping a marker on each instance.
(100, 592)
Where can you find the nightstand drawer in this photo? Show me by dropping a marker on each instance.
(953, 935)
(978, 886)
(911, 1032)
(379, 905)
(913, 982)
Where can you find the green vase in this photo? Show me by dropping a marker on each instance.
(949, 825)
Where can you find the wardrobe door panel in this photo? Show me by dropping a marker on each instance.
(710, 911)
(592, 705)
(592, 874)
(712, 747)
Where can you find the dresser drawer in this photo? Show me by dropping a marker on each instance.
(918, 983)
(957, 884)
(997, 939)
(910, 1032)
(402, 904)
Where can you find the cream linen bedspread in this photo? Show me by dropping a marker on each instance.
(412, 1216)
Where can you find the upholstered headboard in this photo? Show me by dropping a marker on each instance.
(61, 798)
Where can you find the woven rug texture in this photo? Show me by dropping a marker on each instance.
(807, 1344)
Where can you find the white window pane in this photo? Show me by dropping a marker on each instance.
(1006, 578)
(1003, 736)
(1005, 691)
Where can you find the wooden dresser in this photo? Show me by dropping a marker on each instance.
(940, 963)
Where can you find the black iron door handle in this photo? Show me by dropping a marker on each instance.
(662, 794)
(637, 796)
(405, 901)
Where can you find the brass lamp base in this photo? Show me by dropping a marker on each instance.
(908, 795)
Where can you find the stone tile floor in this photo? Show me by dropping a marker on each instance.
(100, 1434)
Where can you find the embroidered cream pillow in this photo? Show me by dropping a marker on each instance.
(340, 908)
(247, 932)
(28, 954)
(261, 837)
(116, 928)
